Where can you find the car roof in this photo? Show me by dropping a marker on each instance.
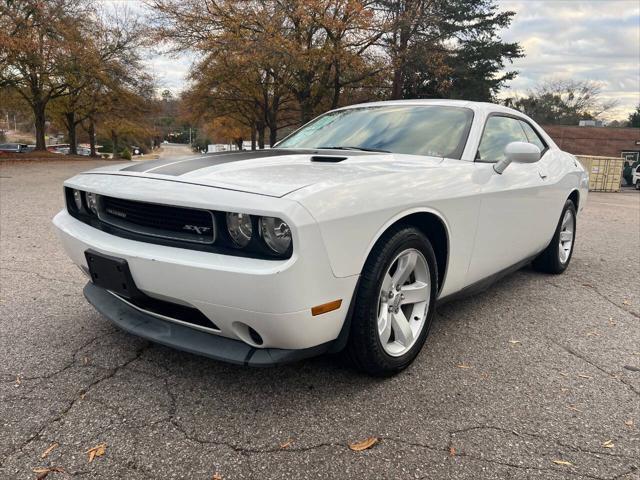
(486, 107)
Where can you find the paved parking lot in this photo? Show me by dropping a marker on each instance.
(538, 377)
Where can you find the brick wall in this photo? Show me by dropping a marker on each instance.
(605, 142)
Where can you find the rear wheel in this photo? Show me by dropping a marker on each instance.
(556, 257)
(638, 184)
(395, 303)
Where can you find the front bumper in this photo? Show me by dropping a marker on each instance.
(273, 297)
(188, 339)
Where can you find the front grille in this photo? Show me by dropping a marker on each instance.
(163, 221)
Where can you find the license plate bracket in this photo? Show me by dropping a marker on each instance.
(111, 273)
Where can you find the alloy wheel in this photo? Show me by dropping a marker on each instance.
(403, 302)
(566, 236)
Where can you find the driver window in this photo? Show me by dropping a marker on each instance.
(498, 133)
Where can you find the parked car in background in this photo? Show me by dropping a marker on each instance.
(15, 148)
(344, 235)
(636, 177)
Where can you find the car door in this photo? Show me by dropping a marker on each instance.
(514, 206)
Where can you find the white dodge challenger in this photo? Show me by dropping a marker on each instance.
(345, 235)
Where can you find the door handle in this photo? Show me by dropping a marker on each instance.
(542, 174)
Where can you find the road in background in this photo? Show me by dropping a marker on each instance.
(538, 377)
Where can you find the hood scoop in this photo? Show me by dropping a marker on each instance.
(327, 158)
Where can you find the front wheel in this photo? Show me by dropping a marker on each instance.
(556, 257)
(395, 302)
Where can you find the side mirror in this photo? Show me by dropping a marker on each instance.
(518, 152)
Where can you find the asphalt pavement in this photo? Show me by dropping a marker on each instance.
(537, 377)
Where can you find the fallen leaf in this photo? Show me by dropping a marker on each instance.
(216, 476)
(582, 375)
(452, 451)
(587, 285)
(563, 374)
(46, 453)
(462, 365)
(97, 451)
(563, 462)
(626, 302)
(514, 342)
(286, 444)
(608, 444)
(573, 407)
(42, 472)
(18, 380)
(85, 360)
(593, 334)
(629, 423)
(612, 321)
(364, 444)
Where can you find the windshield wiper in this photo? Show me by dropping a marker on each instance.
(363, 149)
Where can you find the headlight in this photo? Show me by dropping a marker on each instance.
(92, 202)
(276, 234)
(239, 228)
(77, 199)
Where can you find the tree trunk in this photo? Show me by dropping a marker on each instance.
(273, 136)
(40, 123)
(399, 64)
(114, 142)
(92, 138)
(70, 120)
(337, 87)
(239, 142)
(261, 128)
(253, 137)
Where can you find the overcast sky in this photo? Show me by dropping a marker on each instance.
(581, 39)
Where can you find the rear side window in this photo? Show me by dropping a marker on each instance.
(498, 133)
(533, 136)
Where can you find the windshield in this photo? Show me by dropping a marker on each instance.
(438, 131)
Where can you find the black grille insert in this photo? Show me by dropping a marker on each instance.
(164, 221)
(172, 310)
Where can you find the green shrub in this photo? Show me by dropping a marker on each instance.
(126, 154)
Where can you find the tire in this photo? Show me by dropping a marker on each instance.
(366, 348)
(552, 259)
(637, 184)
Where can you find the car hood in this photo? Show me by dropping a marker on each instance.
(274, 173)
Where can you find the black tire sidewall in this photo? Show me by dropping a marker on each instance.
(372, 356)
(555, 243)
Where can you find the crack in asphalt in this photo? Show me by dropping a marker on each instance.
(70, 364)
(621, 307)
(43, 277)
(585, 359)
(79, 396)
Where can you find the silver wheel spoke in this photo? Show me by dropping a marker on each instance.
(387, 281)
(406, 265)
(566, 236)
(415, 293)
(401, 328)
(384, 324)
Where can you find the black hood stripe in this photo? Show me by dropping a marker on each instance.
(188, 166)
(150, 164)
